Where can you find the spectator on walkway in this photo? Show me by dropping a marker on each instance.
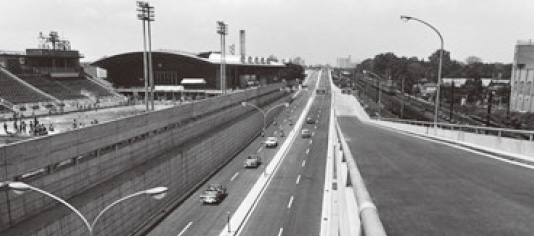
(16, 126)
(31, 127)
(74, 125)
(23, 126)
(5, 127)
(51, 127)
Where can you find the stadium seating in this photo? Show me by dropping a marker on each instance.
(16, 92)
(81, 84)
(52, 87)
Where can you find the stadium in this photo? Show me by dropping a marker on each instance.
(100, 140)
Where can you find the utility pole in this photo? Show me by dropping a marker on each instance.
(490, 101)
(402, 98)
(451, 102)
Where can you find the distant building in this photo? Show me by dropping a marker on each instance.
(94, 71)
(345, 63)
(522, 94)
(299, 61)
(459, 82)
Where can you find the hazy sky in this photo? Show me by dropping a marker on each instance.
(317, 30)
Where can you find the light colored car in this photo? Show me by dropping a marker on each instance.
(310, 120)
(305, 133)
(214, 194)
(252, 161)
(271, 142)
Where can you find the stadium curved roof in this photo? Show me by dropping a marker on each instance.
(108, 62)
(208, 58)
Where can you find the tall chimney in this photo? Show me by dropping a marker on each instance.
(242, 42)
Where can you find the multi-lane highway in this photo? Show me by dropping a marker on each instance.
(193, 218)
(427, 188)
(292, 203)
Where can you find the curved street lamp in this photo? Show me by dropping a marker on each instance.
(264, 113)
(20, 187)
(366, 72)
(407, 18)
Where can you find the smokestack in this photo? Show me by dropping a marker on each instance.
(242, 42)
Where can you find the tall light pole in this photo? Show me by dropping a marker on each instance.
(20, 187)
(222, 29)
(366, 72)
(438, 84)
(146, 15)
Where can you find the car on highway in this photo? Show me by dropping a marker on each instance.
(310, 120)
(271, 142)
(305, 133)
(213, 194)
(252, 161)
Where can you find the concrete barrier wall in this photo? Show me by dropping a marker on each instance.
(523, 148)
(67, 182)
(181, 169)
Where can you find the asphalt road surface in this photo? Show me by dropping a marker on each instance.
(194, 218)
(292, 203)
(426, 188)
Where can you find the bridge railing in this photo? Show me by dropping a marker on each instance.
(509, 143)
(499, 132)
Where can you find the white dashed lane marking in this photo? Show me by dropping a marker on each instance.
(235, 175)
(185, 229)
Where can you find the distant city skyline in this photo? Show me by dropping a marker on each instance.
(318, 31)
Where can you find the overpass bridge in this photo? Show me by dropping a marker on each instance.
(353, 176)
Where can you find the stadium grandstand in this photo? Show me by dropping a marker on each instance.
(49, 78)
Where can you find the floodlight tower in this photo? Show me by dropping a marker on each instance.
(222, 29)
(146, 15)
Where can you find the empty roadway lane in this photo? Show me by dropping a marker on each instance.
(426, 188)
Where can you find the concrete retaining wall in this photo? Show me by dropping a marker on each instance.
(115, 159)
(523, 148)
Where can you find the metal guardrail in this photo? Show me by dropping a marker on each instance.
(469, 128)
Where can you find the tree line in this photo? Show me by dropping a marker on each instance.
(414, 70)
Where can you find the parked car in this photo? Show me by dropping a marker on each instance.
(252, 161)
(305, 133)
(214, 194)
(271, 142)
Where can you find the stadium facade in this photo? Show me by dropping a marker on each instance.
(177, 73)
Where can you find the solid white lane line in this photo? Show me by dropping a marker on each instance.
(303, 163)
(298, 180)
(290, 202)
(235, 175)
(280, 232)
(185, 229)
(307, 151)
